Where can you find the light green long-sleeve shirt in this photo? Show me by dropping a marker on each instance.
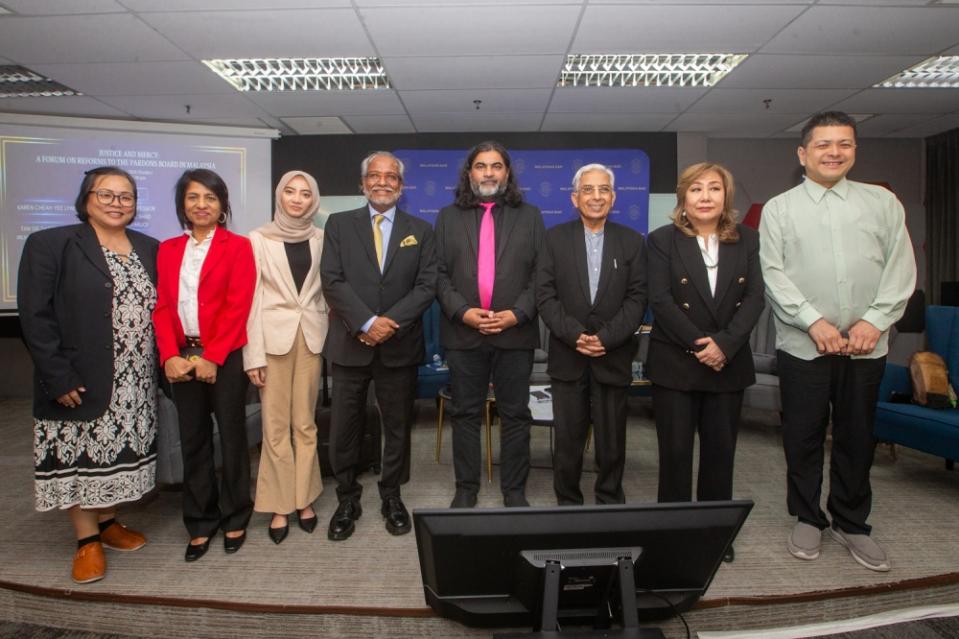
(842, 254)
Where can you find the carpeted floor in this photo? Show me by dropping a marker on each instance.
(915, 517)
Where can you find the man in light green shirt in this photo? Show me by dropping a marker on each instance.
(839, 268)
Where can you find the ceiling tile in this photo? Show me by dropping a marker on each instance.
(624, 99)
(380, 124)
(902, 101)
(769, 71)
(486, 123)
(479, 72)
(881, 125)
(173, 107)
(674, 29)
(326, 125)
(146, 6)
(68, 105)
(136, 78)
(930, 127)
(265, 34)
(54, 7)
(606, 121)
(479, 31)
(111, 37)
(740, 125)
(493, 100)
(314, 103)
(885, 31)
(780, 100)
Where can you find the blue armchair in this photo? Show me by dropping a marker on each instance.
(926, 429)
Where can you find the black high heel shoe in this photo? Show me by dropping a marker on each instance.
(232, 544)
(307, 524)
(279, 534)
(195, 551)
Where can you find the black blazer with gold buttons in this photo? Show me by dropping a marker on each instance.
(684, 310)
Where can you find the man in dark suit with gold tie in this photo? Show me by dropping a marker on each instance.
(591, 292)
(379, 276)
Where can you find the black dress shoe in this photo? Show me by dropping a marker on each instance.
(279, 534)
(342, 523)
(307, 524)
(396, 515)
(463, 499)
(730, 555)
(515, 500)
(232, 544)
(195, 551)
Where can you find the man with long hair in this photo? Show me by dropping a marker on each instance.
(487, 243)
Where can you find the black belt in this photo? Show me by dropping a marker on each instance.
(193, 342)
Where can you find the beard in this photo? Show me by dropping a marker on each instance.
(382, 199)
(487, 190)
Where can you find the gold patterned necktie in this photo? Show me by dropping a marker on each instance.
(378, 238)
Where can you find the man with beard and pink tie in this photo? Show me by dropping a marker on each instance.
(487, 243)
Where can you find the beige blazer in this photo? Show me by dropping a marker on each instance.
(278, 309)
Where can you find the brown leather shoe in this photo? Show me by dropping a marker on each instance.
(119, 537)
(89, 564)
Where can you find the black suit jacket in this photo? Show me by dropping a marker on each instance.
(519, 238)
(684, 310)
(65, 301)
(562, 294)
(356, 290)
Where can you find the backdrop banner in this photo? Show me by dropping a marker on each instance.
(545, 177)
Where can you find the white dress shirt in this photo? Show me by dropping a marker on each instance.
(188, 304)
(709, 247)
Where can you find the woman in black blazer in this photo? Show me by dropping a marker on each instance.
(706, 293)
(85, 294)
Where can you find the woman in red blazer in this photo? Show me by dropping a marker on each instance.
(205, 281)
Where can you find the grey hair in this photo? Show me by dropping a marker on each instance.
(365, 164)
(594, 167)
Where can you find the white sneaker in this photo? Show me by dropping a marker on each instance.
(863, 549)
(805, 541)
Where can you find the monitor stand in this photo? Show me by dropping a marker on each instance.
(549, 623)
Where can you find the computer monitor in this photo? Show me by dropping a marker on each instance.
(485, 567)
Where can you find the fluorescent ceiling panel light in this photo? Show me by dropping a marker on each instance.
(941, 72)
(21, 82)
(302, 74)
(647, 70)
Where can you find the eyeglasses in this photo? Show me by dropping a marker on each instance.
(374, 176)
(106, 197)
(589, 189)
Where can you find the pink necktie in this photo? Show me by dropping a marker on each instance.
(486, 260)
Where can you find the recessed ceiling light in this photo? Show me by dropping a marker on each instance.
(647, 70)
(302, 74)
(21, 82)
(939, 72)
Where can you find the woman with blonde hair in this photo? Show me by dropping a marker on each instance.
(706, 294)
(286, 331)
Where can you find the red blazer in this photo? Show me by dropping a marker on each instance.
(227, 281)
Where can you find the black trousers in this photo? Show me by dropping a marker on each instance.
(679, 416)
(395, 389)
(471, 372)
(576, 405)
(207, 507)
(809, 388)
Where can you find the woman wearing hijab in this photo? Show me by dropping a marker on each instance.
(286, 331)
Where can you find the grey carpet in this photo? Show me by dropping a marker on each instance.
(944, 628)
(915, 515)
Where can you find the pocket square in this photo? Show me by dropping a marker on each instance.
(409, 240)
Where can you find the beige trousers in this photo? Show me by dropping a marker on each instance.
(289, 474)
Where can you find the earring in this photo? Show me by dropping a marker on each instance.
(222, 219)
(684, 213)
